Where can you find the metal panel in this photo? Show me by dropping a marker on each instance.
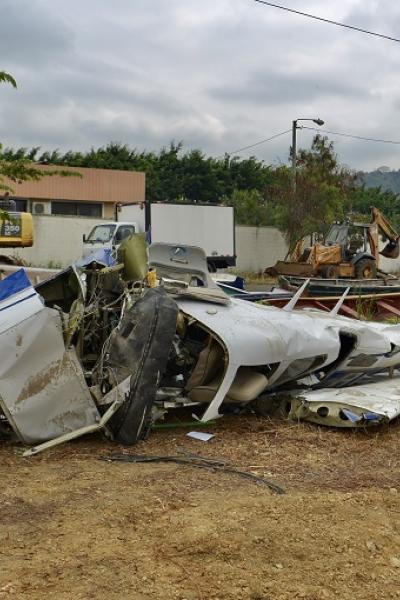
(209, 227)
(133, 213)
(254, 335)
(42, 389)
(354, 406)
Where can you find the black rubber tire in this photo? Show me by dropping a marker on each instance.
(365, 269)
(329, 271)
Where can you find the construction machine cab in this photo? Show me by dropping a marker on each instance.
(351, 237)
(337, 235)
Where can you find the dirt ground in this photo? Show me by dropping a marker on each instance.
(73, 526)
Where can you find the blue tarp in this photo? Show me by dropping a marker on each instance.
(14, 283)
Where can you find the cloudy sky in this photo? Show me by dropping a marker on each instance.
(216, 74)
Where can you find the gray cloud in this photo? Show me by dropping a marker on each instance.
(280, 87)
(217, 75)
(32, 36)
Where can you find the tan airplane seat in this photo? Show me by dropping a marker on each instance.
(207, 375)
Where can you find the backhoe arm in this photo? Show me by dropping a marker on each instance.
(379, 224)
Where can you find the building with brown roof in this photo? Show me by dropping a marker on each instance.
(91, 193)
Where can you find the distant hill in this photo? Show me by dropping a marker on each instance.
(383, 178)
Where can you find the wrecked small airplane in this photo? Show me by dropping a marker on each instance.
(113, 343)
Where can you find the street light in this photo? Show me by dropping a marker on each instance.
(294, 145)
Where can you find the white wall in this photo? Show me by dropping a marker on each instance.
(258, 247)
(57, 240)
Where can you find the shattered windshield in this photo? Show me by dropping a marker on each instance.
(336, 235)
(101, 233)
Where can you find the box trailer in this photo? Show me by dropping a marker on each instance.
(209, 226)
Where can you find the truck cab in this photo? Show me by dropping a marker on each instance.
(108, 235)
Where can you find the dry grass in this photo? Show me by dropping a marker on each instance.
(254, 278)
(74, 526)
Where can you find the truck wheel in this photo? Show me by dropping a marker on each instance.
(328, 272)
(365, 269)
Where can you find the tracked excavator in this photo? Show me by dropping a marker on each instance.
(16, 228)
(350, 250)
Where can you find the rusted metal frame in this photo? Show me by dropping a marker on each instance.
(388, 308)
(349, 311)
(321, 305)
(385, 303)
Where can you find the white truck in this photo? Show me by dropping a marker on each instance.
(212, 227)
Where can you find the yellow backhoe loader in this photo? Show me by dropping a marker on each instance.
(350, 250)
(16, 228)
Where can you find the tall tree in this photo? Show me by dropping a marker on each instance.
(171, 173)
(261, 194)
(362, 198)
(250, 208)
(321, 193)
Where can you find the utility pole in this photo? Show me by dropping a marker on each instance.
(294, 155)
(294, 147)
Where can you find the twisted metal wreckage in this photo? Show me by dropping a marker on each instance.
(96, 347)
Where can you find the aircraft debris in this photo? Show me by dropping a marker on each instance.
(104, 346)
(202, 436)
(376, 403)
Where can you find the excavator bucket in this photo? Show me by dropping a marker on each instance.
(283, 267)
(392, 249)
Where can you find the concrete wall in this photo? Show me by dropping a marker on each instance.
(57, 240)
(258, 247)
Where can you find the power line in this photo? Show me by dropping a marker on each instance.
(346, 135)
(260, 142)
(355, 137)
(303, 14)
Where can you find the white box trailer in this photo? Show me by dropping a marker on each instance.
(209, 226)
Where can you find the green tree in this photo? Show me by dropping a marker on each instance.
(171, 173)
(250, 208)
(7, 78)
(361, 198)
(261, 194)
(321, 195)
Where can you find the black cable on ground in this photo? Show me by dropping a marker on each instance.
(193, 461)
